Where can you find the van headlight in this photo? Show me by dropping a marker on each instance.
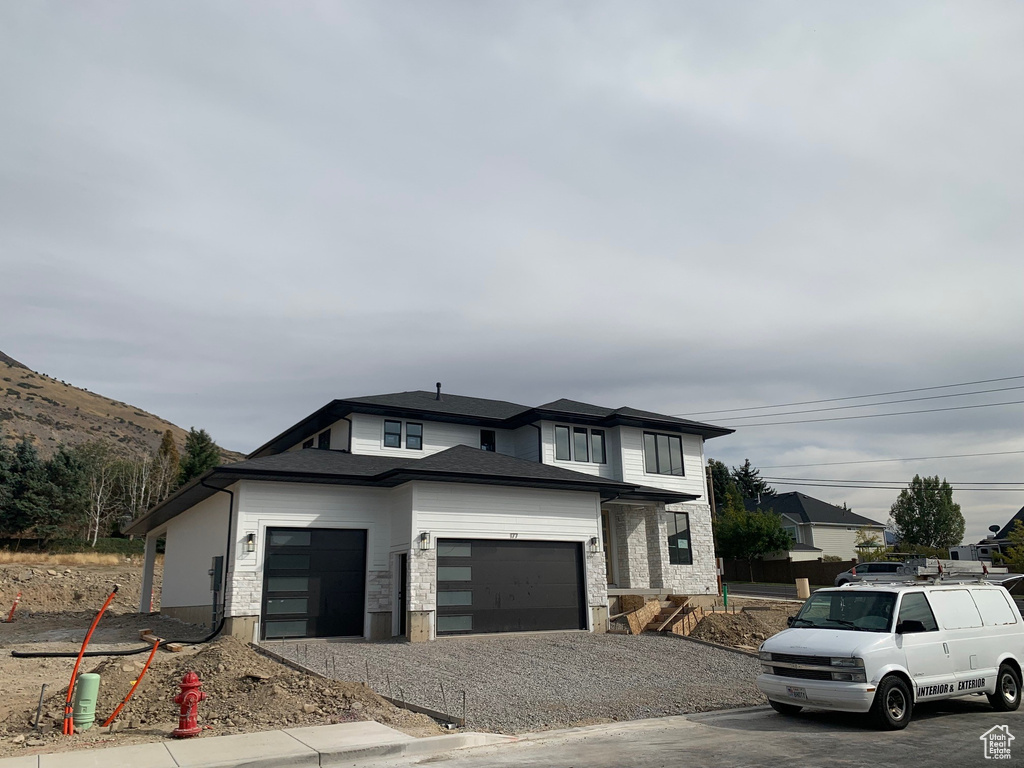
(850, 677)
(764, 656)
(846, 661)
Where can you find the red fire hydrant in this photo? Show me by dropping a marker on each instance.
(189, 698)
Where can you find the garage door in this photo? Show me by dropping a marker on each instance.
(313, 583)
(509, 586)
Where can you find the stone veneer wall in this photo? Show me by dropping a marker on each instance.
(244, 595)
(422, 579)
(597, 580)
(699, 578)
(378, 591)
(631, 544)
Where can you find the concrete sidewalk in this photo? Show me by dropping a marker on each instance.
(292, 748)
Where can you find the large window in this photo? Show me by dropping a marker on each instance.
(915, 608)
(392, 434)
(562, 443)
(323, 440)
(580, 444)
(663, 454)
(580, 449)
(679, 552)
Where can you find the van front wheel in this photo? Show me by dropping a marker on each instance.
(1007, 695)
(785, 709)
(893, 704)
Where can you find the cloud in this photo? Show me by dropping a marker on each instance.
(230, 214)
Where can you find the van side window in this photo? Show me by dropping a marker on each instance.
(995, 610)
(955, 609)
(915, 607)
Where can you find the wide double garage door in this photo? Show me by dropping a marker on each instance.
(509, 586)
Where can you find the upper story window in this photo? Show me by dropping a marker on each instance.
(663, 454)
(308, 443)
(414, 436)
(679, 552)
(580, 444)
(488, 441)
(323, 440)
(392, 434)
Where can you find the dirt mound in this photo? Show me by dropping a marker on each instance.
(736, 629)
(46, 588)
(245, 692)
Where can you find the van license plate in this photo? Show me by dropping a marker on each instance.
(796, 693)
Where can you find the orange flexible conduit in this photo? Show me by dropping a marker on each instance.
(69, 725)
(109, 720)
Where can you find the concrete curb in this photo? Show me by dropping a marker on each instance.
(267, 749)
(714, 645)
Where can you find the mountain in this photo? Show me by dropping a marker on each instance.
(51, 412)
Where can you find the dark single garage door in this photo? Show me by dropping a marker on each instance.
(313, 582)
(509, 586)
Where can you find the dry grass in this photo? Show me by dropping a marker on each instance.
(70, 558)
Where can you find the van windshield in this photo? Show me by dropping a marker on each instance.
(846, 609)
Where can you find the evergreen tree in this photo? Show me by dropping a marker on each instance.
(201, 454)
(748, 480)
(6, 484)
(26, 490)
(925, 514)
(66, 492)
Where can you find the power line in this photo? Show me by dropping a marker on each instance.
(852, 397)
(871, 405)
(883, 461)
(876, 415)
(896, 487)
(883, 482)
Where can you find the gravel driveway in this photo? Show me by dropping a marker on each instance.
(520, 683)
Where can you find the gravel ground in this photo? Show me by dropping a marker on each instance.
(522, 683)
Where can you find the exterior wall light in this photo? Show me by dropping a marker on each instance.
(595, 545)
(425, 540)
(250, 542)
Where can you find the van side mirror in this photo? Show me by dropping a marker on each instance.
(790, 620)
(909, 627)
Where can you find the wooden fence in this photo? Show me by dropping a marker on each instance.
(817, 572)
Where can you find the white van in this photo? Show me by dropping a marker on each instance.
(882, 648)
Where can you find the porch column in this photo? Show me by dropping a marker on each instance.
(657, 545)
(148, 564)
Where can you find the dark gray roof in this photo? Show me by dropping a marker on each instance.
(807, 509)
(479, 411)
(1005, 532)
(461, 464)
(453, 405)
(799, 547)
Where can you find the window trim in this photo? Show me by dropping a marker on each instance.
(604, 446)
(657, 457)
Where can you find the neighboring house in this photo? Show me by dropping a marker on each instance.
(817, 527)
(997, 542)
(419, 514)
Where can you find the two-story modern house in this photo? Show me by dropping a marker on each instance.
(423, 514)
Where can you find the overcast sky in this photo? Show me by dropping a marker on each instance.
(230, 213)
